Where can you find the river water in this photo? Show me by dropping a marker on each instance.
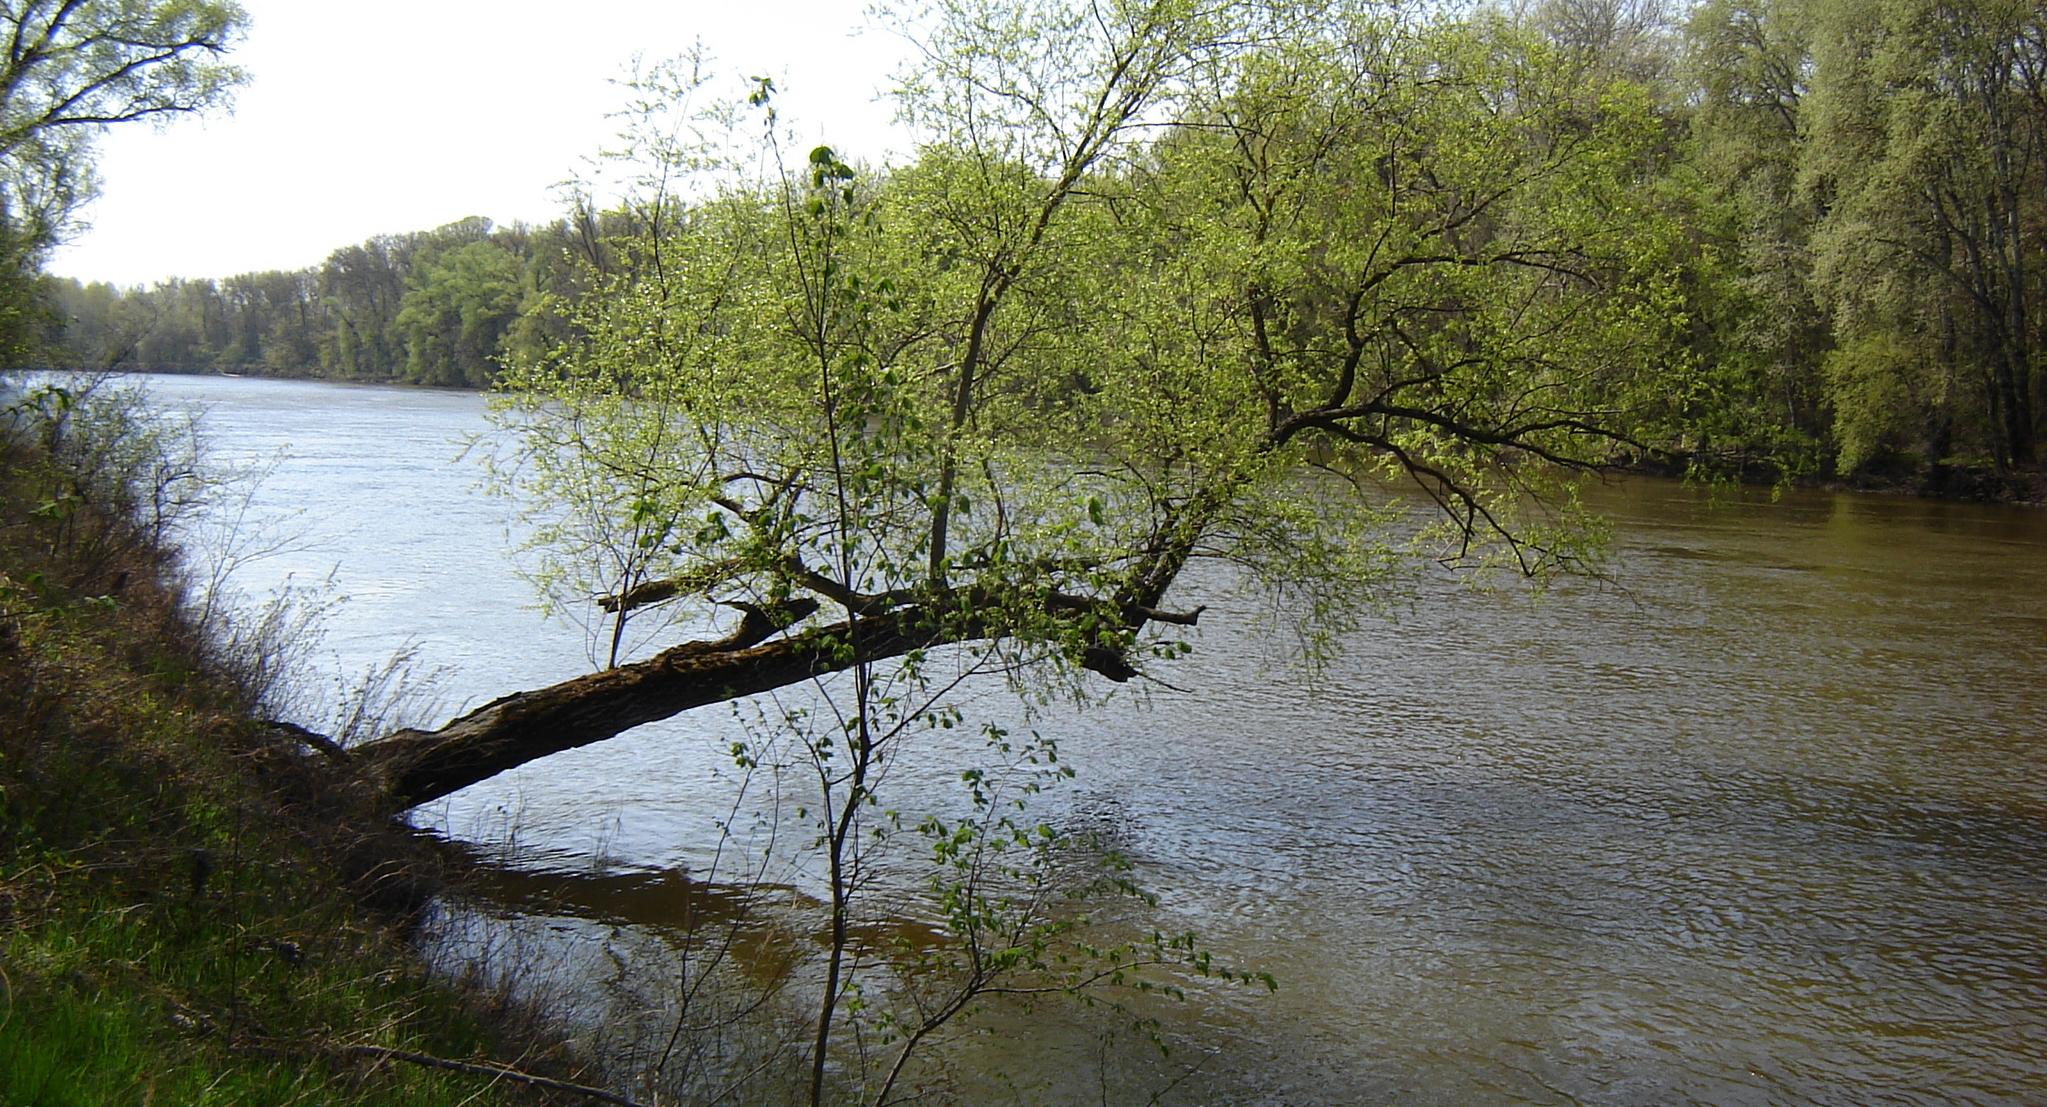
(1764, 820)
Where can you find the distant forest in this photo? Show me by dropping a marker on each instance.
(440, 307)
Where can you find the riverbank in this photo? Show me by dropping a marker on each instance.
(1956, 483)
(1960, 483)
(190, 910)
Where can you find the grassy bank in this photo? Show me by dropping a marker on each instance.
(185, 893)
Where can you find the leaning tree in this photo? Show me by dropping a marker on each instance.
(1163, 282)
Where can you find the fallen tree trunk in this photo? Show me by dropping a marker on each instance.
(411, 767)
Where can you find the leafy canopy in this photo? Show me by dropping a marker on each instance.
(1152, 262)
(70, 68)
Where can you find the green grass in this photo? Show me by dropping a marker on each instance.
(181, 890)
(114, 1003)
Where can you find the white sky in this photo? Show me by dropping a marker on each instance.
(366, 117)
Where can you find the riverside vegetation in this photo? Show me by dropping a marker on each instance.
(1164, 283)
(189, 913)
(182, 902)
(1856, 189)
(201, 904)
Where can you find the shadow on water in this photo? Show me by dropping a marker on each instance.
(778, 922)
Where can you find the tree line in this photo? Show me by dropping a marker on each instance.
(443, 307)
(1861, 187)
(1868, 181)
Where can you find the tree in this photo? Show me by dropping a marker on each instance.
(1754, 303)
(457, 307)
(1928, 153)
(437, 307)
(72, 67)
(1153, 264)
(1634, 39)
(1166, 282)
(362, 287)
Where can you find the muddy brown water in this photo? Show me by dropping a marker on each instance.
(1765, 822)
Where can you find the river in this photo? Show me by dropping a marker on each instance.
(1763, 820)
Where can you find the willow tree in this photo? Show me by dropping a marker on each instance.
(1153, 263)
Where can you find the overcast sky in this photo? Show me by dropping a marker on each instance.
(366, 117)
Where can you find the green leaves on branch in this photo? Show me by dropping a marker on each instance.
(1149, 267)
